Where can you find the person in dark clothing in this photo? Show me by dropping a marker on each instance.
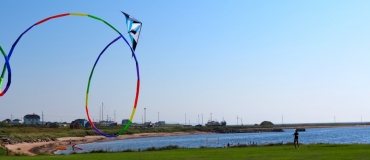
(296, 134)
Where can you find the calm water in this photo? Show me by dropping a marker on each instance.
(315, 135)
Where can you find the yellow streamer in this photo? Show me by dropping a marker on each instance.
(132, 114)
(78, 14)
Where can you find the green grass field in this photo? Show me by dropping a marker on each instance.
(314, 151)
(2, 152)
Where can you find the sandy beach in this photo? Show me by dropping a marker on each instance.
(49, 147)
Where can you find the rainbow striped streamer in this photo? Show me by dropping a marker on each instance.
(8, 68)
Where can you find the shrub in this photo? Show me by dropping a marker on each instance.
(266, 123)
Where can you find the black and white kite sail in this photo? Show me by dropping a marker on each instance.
(134, 28)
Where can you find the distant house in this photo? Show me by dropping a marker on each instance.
(87, 125)
(159, 123)
(63, 124)
(105, 123)
(148, 124)
(48, 124)
(125, 121)
(74, 125)
(7, 121)
(17, 121)
(113, 124)
(31, 119)
(213, 123)
(81, 123)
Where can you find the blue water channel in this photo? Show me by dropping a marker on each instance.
(342, 135)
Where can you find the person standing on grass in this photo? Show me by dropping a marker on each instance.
(296, 134)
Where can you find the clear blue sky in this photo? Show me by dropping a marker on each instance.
(259, 60)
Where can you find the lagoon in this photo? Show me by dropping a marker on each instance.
(339, 135)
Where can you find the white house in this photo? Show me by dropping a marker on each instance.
(31, 119)
(105, 123)
(17, 121)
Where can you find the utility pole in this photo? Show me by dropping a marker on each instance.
(241, 120)
(102, 111)
(114, 115)
(158, 117)
(99, 112)
(237, 120)
(144, 115)
(142, 119)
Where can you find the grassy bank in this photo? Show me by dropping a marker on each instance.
(24, 132)
(39, 132)
(34, 132)
(313, 151)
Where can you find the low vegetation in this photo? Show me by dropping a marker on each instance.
(21, 133)
(266, 123)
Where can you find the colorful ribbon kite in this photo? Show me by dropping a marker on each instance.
(8, 68)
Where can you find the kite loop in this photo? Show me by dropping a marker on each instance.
(6, 67)
(134, 38)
